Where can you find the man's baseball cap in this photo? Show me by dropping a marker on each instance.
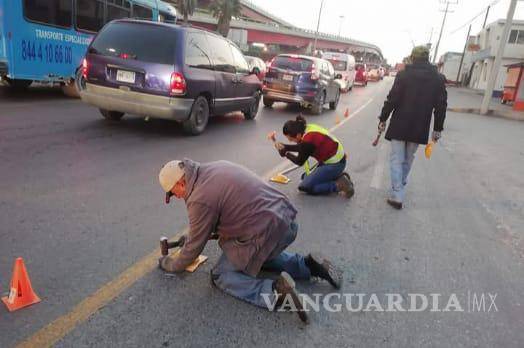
(170, 173)
(420, 52)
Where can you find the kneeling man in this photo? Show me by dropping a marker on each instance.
(254, 222)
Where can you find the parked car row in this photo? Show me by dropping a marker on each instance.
(186, 74)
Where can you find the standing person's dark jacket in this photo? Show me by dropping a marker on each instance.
(418, 91)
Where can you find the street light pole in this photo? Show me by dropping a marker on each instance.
(340, 25)
(498, 59)
(318, 26)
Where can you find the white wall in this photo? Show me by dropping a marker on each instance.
(493, 32)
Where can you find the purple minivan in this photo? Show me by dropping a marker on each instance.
(167, 71)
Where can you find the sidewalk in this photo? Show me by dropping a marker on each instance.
(468, 100)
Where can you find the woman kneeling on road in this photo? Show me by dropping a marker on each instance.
(315, 141)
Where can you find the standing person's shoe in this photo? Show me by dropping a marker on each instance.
(345, 186)
(394, 204)
(323, 268)
(284, 285)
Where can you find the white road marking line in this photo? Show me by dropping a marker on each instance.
(378, 172)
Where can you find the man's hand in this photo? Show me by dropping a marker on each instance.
(435, 136)
(381, 126)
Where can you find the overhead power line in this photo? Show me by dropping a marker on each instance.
(472, 19)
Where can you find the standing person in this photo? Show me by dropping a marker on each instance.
(418, 92)
(315, 141)
(254, 222)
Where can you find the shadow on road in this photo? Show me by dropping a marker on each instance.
(36, 93)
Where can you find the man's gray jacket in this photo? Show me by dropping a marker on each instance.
(248, 214)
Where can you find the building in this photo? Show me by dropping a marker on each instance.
(260, 33)
(449, 64)
(487, 42)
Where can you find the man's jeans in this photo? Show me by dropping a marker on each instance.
(250, 289)
(322, 180)
(402, 156)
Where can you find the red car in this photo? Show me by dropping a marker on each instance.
(361, 75)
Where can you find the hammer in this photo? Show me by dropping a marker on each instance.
(165, 244)
(375, 142)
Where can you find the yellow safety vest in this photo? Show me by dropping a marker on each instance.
(337, 157)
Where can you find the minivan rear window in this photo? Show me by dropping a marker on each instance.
(339, 65)
(292, 63)
(143, 42)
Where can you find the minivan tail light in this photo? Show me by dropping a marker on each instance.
(85, 68)
(178, 84)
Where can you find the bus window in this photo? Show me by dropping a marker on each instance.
(117, 9)
(52, 12)
(142, 12)
(89, 15)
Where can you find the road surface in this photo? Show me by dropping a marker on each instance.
(80, 202)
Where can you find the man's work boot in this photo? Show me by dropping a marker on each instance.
(324, 269)
(284, 286)
(394, 204)
(345, 186)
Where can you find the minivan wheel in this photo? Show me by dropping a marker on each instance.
(197, 121)
(253, 109)
(111, 115)
(319, 106)
(333, 105)
(268, 102)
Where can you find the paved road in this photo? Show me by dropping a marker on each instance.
(80, 202)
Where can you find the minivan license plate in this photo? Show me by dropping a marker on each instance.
(287, 77)
(125, 76)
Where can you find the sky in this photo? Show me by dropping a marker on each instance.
(393, 25)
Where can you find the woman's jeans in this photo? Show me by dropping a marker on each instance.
(322, 180)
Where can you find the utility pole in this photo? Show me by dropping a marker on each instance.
(442, 29)
(463, 54)
(498, 59)
(486, 18)
(318, 26)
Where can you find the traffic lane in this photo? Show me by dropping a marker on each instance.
(442, 242)
(193, 294)
(74, 186)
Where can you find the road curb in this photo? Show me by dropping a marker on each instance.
(491, 112)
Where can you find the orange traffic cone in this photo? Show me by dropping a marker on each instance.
(346, 114)
(21, 293)
(337, 119)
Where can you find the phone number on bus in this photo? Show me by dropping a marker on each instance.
(46, 52)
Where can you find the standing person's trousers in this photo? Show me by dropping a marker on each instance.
(322, 180)
(250, 289)
(402, 156)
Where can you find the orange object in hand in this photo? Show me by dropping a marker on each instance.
(428, 150)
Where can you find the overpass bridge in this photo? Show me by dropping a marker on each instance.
(260, 33)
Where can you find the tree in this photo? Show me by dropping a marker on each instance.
(224, 10)
(186, 8)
